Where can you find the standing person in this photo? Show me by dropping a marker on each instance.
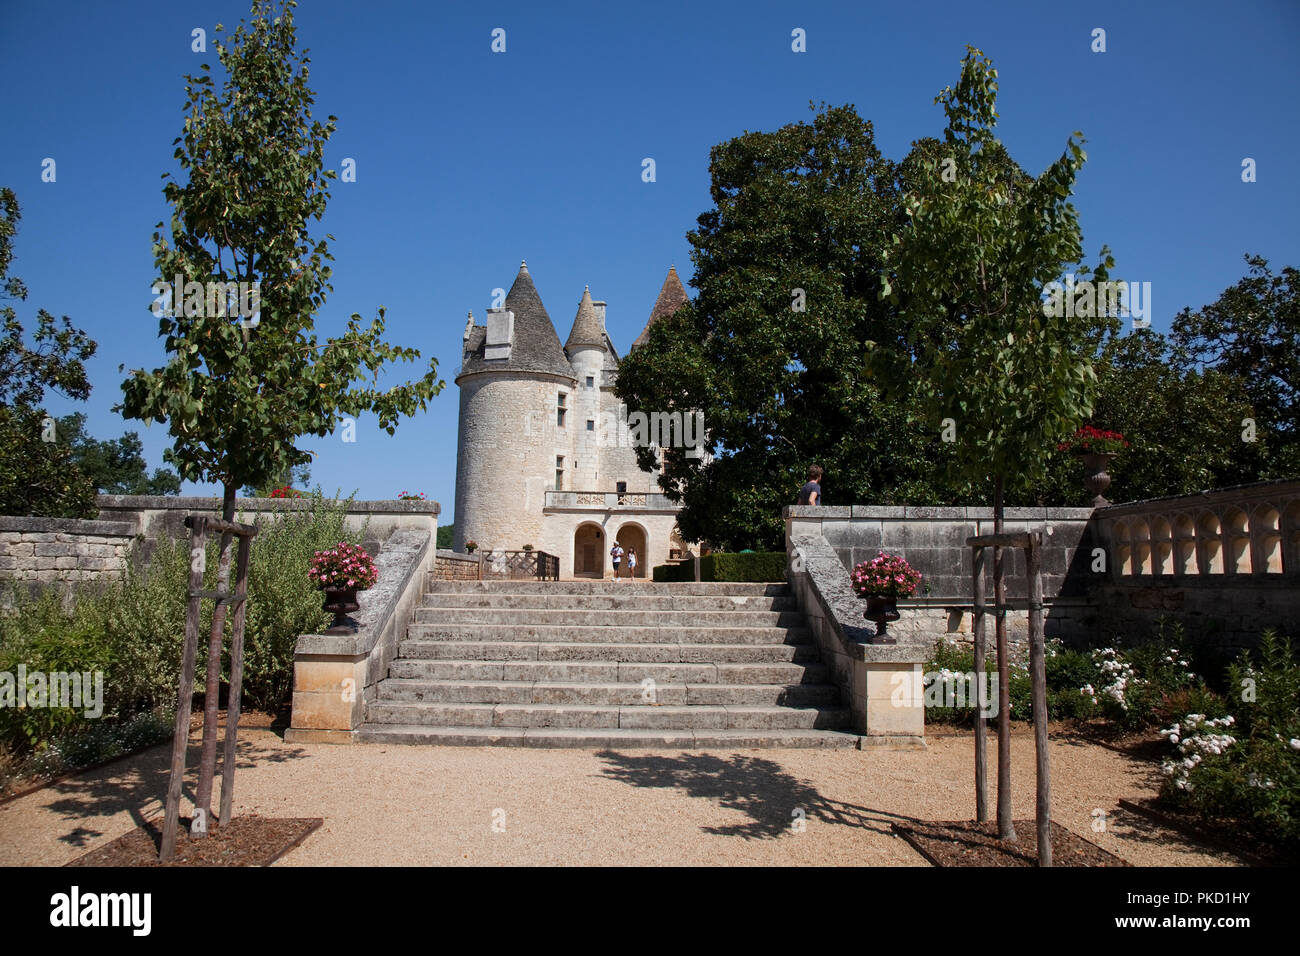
(811, 492)
(631, 562)
(616, 553)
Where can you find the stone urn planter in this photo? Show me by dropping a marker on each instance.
(1095, 475)
(881, 581)
(881, 610)
(341, 572)
(341, 602)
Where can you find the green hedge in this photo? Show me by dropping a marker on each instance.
(758, 566)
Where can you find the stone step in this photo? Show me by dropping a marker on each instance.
(539, 617)
(611, 602)
(608, 672)
(588, 651)
(608, 634)
(610, 738)
(739, 717)
(678, 589)
(609, 694)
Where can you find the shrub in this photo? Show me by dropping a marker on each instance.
(674, 572)
(132, 628)
(755, 566)
(1244, 768)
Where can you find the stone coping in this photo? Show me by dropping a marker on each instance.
(445, 555)
(88, 526)
(934, 512)
(399, 562)
(1254, 491)
(843, 609)
(184, 503)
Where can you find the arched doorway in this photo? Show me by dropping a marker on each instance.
(632, 537)
(589, 552)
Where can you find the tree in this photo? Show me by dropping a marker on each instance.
(1182, 425)
(1252, 331)
(117, 466)
(37, 475)
(236, 393)
(445, 533)
(771, 349)
(983, 355)
(289, 478)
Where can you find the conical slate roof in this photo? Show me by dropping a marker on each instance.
(671, 298)
(586, 329)
(536, 346)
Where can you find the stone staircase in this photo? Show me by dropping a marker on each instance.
(608, 664)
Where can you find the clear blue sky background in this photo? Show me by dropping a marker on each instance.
(468, 161)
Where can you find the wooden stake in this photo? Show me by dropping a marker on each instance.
(1006, 829)
(236, 679)
(1038, 668)
(981, 693)
(185, 693)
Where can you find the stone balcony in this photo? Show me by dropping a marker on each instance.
(608, 501)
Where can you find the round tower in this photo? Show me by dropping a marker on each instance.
(586, 349)
(518, 415)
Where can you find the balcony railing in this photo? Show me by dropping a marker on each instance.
(610, 500)
(517, 565)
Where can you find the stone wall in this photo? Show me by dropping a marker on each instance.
(933, 540)
(450, 566)
(62, 551)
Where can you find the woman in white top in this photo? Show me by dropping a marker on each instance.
(631, 562)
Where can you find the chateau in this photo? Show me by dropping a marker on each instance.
(537, 462)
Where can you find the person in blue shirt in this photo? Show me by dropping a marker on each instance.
(811, 492)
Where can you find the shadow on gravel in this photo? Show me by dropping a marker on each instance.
(140, 786)
(775, 802)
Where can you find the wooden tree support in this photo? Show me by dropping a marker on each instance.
(1032, 543)
(199, 527)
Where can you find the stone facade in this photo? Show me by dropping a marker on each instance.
(543, 439)
(450, 566)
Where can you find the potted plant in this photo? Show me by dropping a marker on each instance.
(341, 572)
(883, 580)
(471, 547)
(411, 496)
(1097, 448)
(528, 547)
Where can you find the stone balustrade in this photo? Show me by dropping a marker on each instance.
(1246, 530)
(609, 501)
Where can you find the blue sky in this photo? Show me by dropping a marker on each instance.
(468, 161)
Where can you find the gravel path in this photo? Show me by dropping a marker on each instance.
(395, 805)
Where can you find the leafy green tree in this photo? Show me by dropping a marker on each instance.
(297, 476)
(445, 534)
(770, 351)
(1182, 425)
(238, 396)
(983, 356)
(1252, 332)
(37, 472)
(117, 466)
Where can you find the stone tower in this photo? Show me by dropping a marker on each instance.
(587, 351)
(517, 413)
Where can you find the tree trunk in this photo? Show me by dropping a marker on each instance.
(1006, 831)
(208, 759)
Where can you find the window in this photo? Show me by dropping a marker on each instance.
(559, 410)
(591, 381)
(591, 424)
(622, 490)
(559, 472)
